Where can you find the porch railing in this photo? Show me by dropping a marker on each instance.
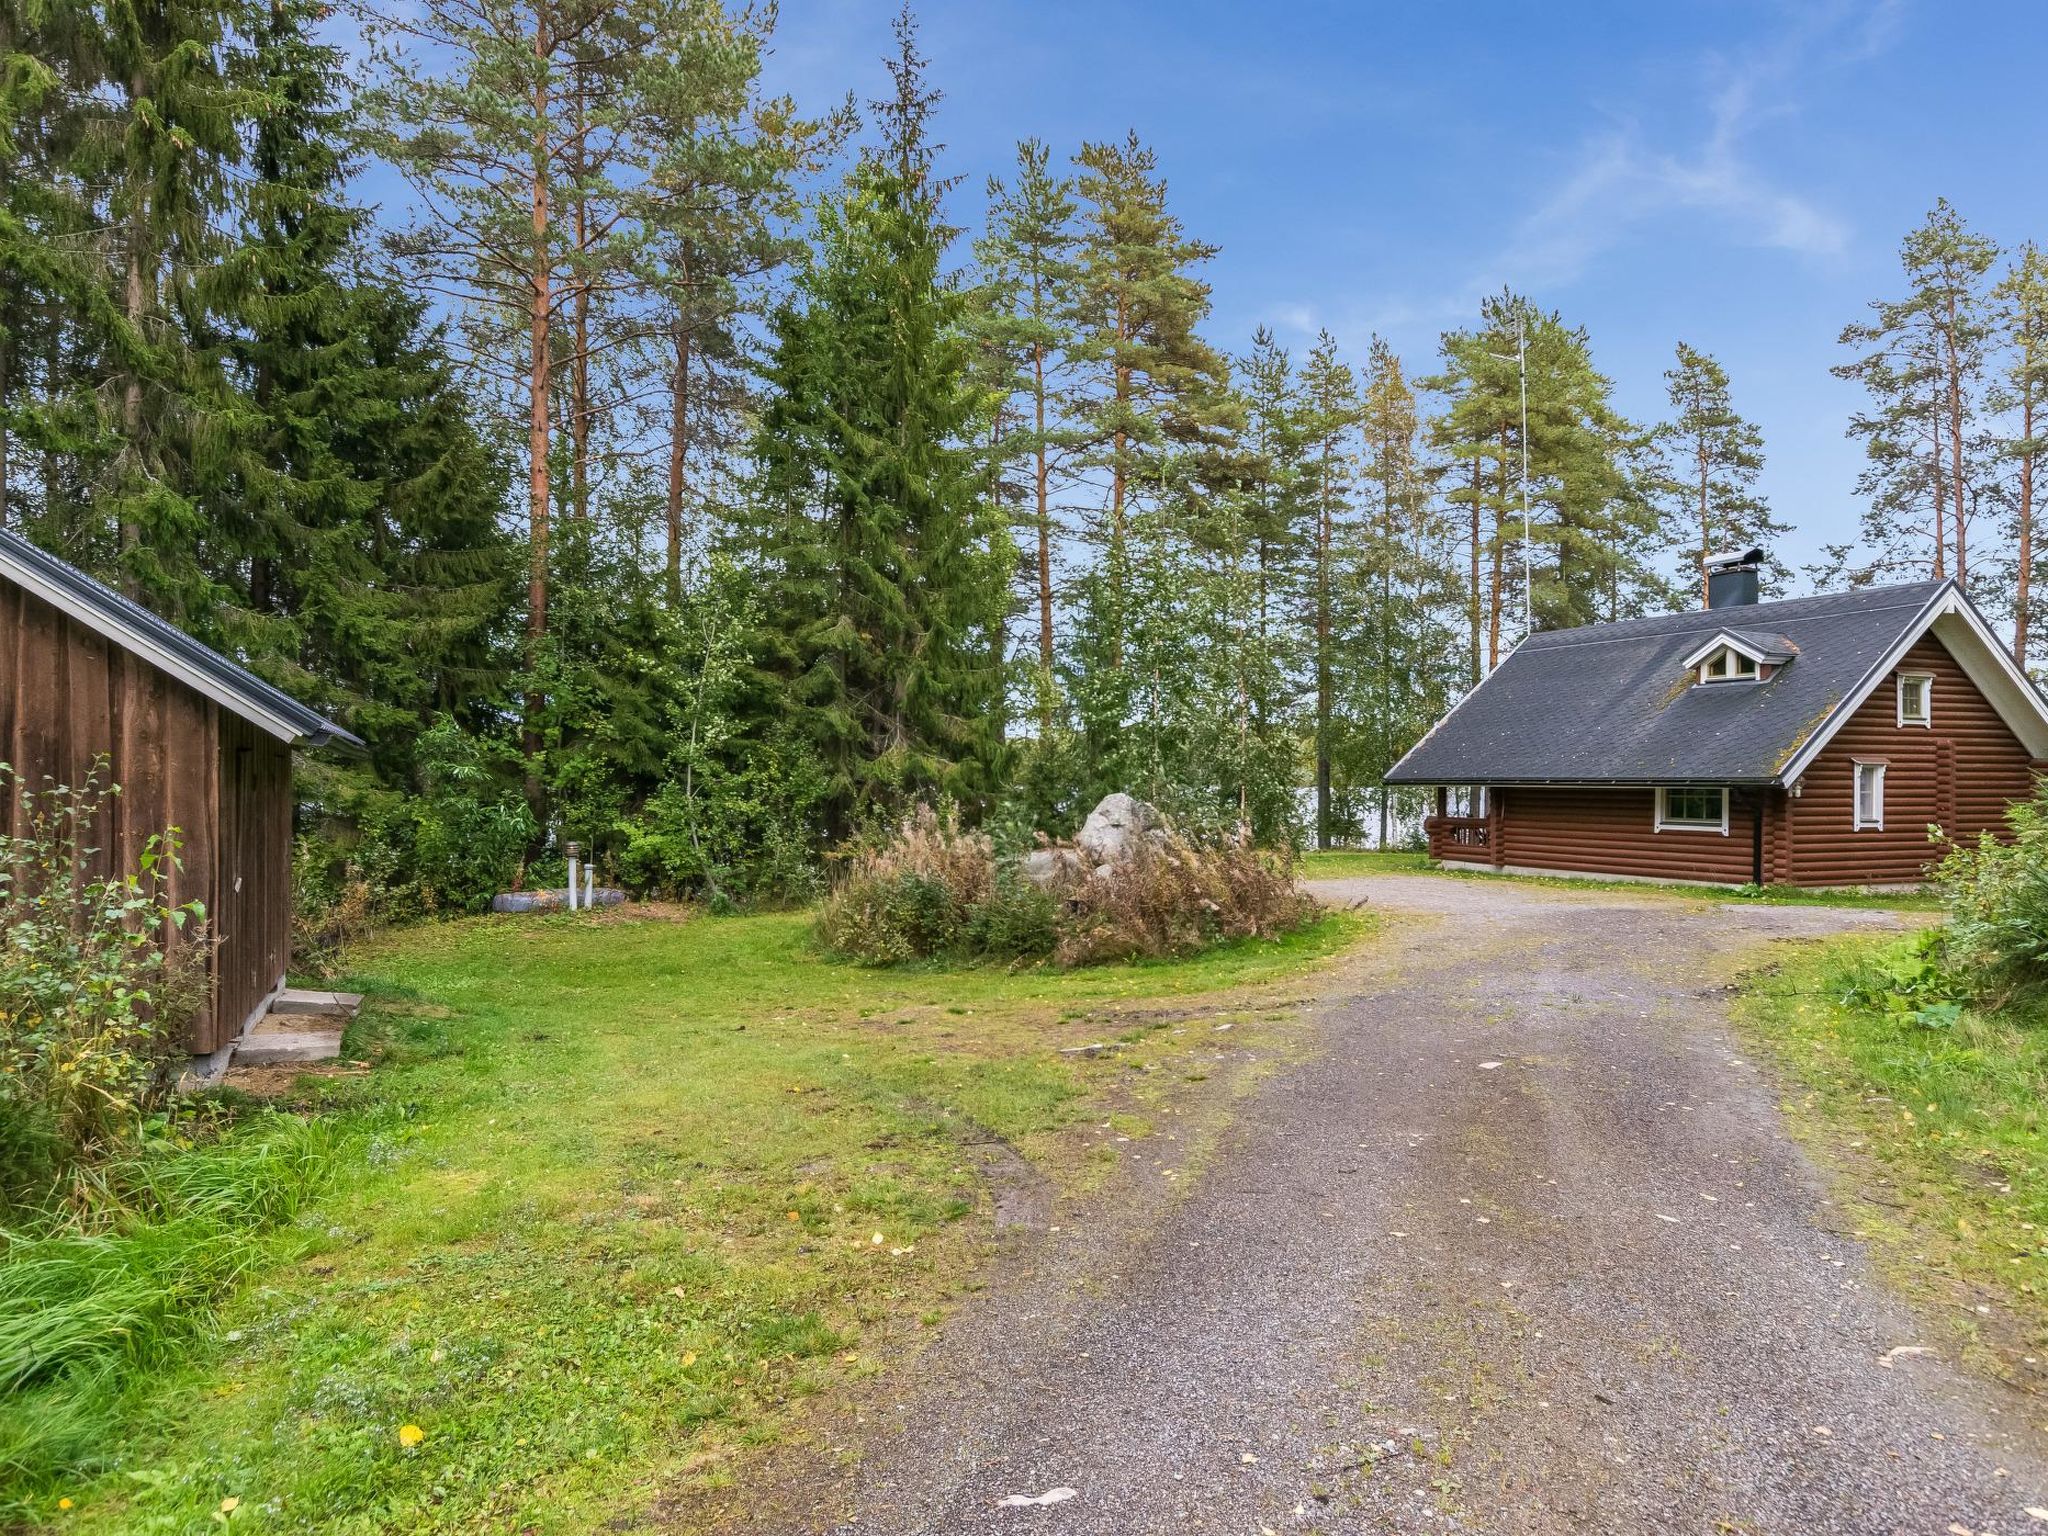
(1455, 837)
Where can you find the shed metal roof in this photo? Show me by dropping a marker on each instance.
(1616, 704)
(164, 645)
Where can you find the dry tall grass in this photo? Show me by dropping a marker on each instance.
(935, 890)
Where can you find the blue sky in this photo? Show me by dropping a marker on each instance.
(1736, 175)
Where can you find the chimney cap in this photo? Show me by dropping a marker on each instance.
(1735, 560)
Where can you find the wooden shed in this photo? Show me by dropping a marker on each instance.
(1836, 740)
(195, 742)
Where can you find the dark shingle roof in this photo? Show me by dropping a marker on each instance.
(135, 628)
(1614, 703)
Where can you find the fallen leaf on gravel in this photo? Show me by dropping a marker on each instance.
(1248, 1458)
(1025, 1500)
(2036, 1512)
(1672, 1219)
(1822, 1429)
(1488, 1066)
(1956, 1529)
(1903, 1349)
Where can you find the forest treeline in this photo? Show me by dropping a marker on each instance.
(662, 469)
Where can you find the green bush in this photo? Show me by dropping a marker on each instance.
(92, 1000)
(1996, 895)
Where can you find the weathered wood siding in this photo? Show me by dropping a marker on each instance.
(1613, 832)
(182, 762)
(1959, 773)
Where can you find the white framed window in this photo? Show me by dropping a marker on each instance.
(1869, 796)
(1728, 665)
(1692, 808)
(1916, 699)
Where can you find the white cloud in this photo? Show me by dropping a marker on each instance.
(1622, 180)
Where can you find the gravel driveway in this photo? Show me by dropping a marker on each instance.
(1520, 1246)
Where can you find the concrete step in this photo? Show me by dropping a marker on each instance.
(272, 1044)
(300, 1000)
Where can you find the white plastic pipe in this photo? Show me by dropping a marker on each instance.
(589, 887)
(573, 863)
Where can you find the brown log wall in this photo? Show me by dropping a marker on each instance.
(1959, 773)
(1613, 832)
(182, 762)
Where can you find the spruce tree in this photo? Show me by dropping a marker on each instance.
(1712, 458)
(882, 563)
(360, 549)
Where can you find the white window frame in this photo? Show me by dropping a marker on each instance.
(1926, 682)
(1664, 823)
(1726, 664)
(1878, 765)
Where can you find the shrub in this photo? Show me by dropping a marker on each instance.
(913, 896)
(91, 1002)
(932, 890)
(1996, 893)
(1176, 897)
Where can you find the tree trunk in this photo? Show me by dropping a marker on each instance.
(1473, 607)
(678, 453)
(1955, 430)
(135, 306)
(1706, 527)
(539, 381)
(1325, 530)
(2023, 594)
(1042, 475)
(580, 413)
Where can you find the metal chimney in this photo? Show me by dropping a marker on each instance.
(1732, 579)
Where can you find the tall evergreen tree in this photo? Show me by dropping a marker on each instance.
(1923, 361)
(2022, 317)
(882, 564)
(359, 541)
(1399, 585)
(1331, 413)
(1712, 458)
(1027, 258)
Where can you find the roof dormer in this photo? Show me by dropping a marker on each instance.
(1738, 656)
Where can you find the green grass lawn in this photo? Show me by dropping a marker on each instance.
(1342, 864)
(616, 1197)
(1940, 1137)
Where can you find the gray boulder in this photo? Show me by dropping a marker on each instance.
(1112, 830)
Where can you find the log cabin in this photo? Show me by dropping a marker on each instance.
(1829, 741)
(196, 743)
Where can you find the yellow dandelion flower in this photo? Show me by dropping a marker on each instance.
(63, 1503)
(410, 1435)
(689, 1358)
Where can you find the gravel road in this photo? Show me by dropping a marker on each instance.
(1520, 1246)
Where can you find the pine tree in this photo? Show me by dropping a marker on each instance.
(1398, 584)
(2022, 318)
(1923, 362)
(882, 565)
(477, 108)
(1027, 258)
(1155, 389)
(1331, 413)
(1712, 460)
(718, 162)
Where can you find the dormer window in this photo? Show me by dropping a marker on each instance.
(1727, 665)
(1740, 656)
